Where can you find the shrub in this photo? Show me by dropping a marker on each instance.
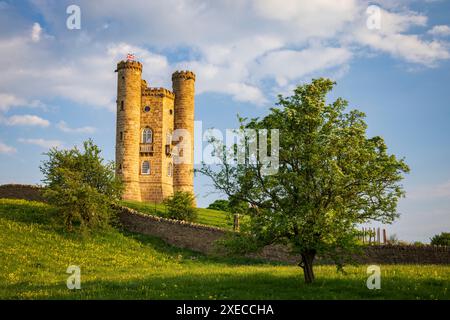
(442, 239)
(180, 206)
(81, 186)
(220, 204)
(237, 244)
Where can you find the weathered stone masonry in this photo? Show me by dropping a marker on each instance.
(201, 238)
(149, 124)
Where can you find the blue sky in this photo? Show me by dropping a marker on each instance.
(57, 86)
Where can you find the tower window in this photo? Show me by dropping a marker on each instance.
(170, 169)
(119, 168)
(146, 108)
(121, 135)
(121, 106)
(147, 135)
(170, 111)
(145, 167)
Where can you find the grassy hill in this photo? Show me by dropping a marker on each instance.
(204, 216)
(36, 252)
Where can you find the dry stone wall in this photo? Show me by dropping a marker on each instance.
(202, 238)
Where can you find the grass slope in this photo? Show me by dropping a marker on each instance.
(204, 216)
(36, 252)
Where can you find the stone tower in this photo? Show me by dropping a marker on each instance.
(183, 88)
(128, 126)
(147, 135)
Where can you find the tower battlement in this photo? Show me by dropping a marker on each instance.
(183, 74)
(129, 65)
(146, 119)
(159, 92)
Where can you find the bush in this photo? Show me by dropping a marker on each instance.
(180, 206)
(81, 186)
(238, 244)
(442, 239)
(220, 204)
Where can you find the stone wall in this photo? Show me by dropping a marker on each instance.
(182, 234)
(202, 238)
(21, 191)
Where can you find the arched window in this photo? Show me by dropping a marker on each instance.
(170, 169)
(147, 135)
(145, 167)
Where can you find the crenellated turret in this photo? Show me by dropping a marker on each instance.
(128, 126)
(184, 90)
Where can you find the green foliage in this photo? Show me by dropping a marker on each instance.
(115, 265)
(238, 243)
(81, 186)
(331, 176)
(442, 239)
(220, 204)
(232, 207)
(204, 216)
(180, 206)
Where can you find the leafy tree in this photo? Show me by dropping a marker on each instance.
(81, 185)
(442, 239)
(180, 206)
(231, 205)
(331, 177)
(220, 204)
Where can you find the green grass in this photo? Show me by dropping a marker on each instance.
(36, 251)
(204, 216)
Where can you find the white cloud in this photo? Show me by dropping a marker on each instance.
(288, 65)
(396, 22)
(392, 39)
(441, 30)
(5, 149)
(231, 46)
(36, 31)
(8, 101)
(409, 47)
(62, 125)
(25, 120)
(305, 18)
(42, 142)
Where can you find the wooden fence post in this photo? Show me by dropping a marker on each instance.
(236, 222)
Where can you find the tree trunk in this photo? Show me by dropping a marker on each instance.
(307, 265)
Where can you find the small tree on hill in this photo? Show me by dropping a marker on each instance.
(331, 177)
(220, 204)
(180, 206)
(81, 185)
(442, 239)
